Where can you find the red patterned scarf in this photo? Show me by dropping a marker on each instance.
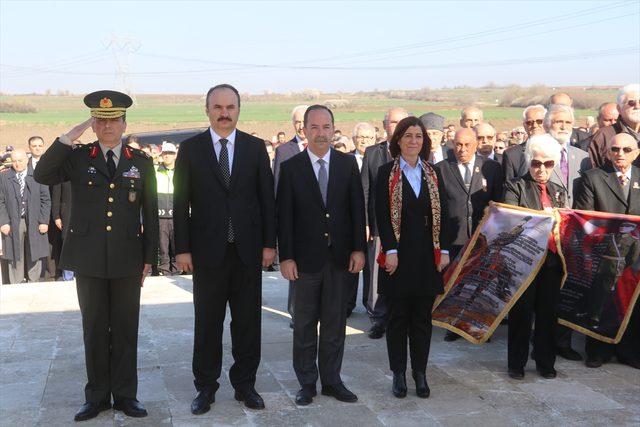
(395, 204)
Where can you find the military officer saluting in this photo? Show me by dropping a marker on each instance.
(111, 243)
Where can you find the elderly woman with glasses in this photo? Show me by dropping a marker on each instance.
(535, 191)
(415, 244)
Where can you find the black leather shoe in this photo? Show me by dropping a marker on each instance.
(250, 397)
(593, 362)
(548, 373)
(91, 410)
(376, 331)
(130, 407)
(516, 373)
(399, 387)
(422, 388)
(451, 336)
(340, 392)
(634, 363)
(202, 402)
(305, 395)
(568, 353)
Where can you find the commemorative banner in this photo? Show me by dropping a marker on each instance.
(494, 269)
(601, 257)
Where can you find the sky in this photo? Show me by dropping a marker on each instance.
(348, 46)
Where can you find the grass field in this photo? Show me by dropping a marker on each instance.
(262, 114)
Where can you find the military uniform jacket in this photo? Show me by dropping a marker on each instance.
(113, 226)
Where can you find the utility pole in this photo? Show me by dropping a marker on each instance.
(122, 47)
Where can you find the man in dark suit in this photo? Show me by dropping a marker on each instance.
(615, 188)
(434, 124)
(577, 135)
(225, 231)
(486, 136)
(283, 153)
(321, 236)
(25, 206)
(513, 162)
(374, 157)
(111, 244)
(60, 213)
(470, 182)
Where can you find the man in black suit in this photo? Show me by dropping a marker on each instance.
(470, 182)
(321, 237)
(374, 157)
(25, 206)
(60, 213)
(224, 224)
(615, 188)
(283, 153)
(513, 162)
(486, 137)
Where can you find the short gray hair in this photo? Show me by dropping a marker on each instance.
(625, 91)
(533, 107)
(298, 108)
(365, 125)
(556, 108)
(543, 144)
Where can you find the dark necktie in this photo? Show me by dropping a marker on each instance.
(467, 175)
(111, 164)
(223, 161)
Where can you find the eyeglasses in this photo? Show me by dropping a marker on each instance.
(626, 150)
(362, 137)
(530, 123)
(549, 164)
(632, 103)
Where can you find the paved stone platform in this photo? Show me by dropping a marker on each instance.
(42, 373)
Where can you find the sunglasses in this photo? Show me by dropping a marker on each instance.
(632, 103)
(532, 122)
(549, 164)
(626, 150)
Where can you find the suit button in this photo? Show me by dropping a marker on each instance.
(326, 234)
(90, 182)
(327, 215)
(108, 228)
(109, 214)
(110, 199)
(112, 186)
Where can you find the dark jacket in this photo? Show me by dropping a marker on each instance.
(306, 227)
(601, 191)
(61, 205)
(38, 209)
(525, 192)
(601, 139)
(513, 163)
(465, 208)
(202, 204)
(374, 157)
(416, 274)
(105, 236)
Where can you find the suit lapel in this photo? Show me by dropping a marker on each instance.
(239, 154)
(209, 153)
(455, 171)
(312, 181)
(612, 181)
(531, 194)
(334, 169)
(634, 190)
(476, 175)
(16, 185)
(557, 178)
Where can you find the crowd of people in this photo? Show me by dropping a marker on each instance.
(397, 206)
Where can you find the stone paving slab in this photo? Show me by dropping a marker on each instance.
(42, 372)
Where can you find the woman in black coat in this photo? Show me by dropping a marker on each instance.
(535, 191)
(414, 250)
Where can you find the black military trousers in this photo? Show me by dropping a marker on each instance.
(241, 287)
(320, 297)
(627, 349)
(409, 319)
(541, 300)
(110, 312)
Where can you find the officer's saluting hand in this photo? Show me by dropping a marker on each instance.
(111, 244)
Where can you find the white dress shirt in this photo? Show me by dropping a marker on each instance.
(461, 166)
(359, 159)
(230, 145)
(301, 143)
(316, 165)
